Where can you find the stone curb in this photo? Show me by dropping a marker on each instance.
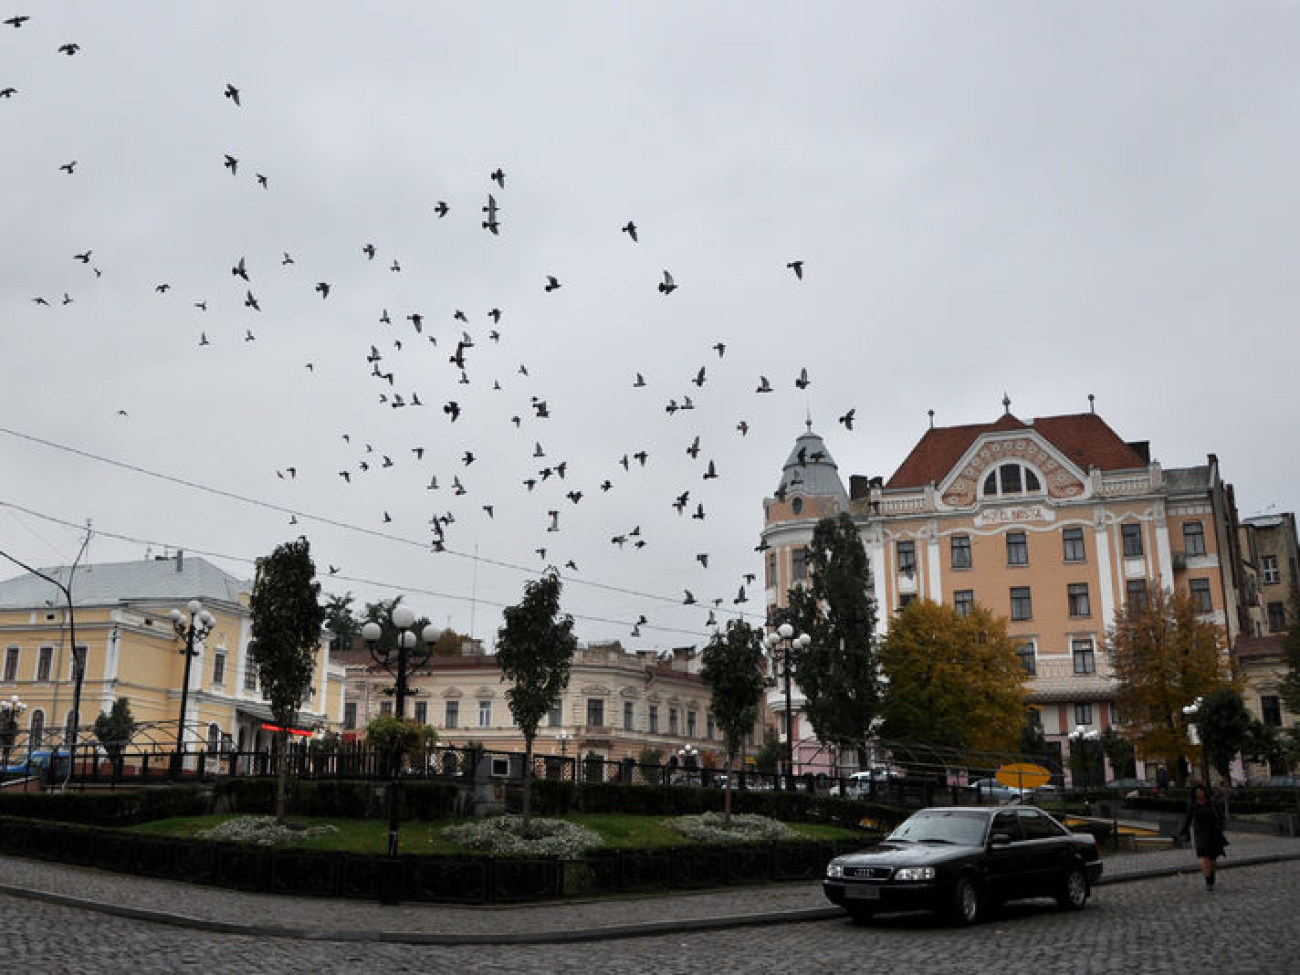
(605, 933)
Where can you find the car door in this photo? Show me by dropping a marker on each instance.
(1046, 852)
(1004, 861)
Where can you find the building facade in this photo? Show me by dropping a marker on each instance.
(127, 646)
(1053, 524)
(618, 704)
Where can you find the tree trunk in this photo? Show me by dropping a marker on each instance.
(726, 797)
(528, 781)
(282, 775)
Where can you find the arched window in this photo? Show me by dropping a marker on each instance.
(1011, 479)
(214, 739)
(36, 730)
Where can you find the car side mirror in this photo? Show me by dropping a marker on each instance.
(1000, 839)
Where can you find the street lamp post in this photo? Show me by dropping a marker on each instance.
(9, 711)
(784, 635)
(192, 631)
(399, 661)
(688, 758)
(1192, 713)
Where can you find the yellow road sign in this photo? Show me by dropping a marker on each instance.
(1022, 775)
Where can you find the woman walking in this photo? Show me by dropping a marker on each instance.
(1204, 819)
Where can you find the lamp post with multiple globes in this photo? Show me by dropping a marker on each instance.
(782, 642)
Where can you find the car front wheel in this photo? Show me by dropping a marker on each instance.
(966, 901)
(1074, 890)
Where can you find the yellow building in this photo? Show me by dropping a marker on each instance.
(130, 648)
(618, 703)
(1052, 523)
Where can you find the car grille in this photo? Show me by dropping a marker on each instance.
(868, 873)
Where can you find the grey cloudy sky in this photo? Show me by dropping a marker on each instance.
(1049, 200)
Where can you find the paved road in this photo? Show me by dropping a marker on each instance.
(1156, 926)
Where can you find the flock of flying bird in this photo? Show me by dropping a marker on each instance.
(407, 331)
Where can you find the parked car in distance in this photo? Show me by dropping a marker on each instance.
(1283, 782)
(859, 784)
(36, 762)
(1128, 786)
(959, 860)
(991, 790)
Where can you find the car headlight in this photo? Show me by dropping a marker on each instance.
(914, 873)
(835, 870)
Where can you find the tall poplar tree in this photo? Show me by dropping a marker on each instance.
(535, 651)
(837, 671)
(286, 635)
(733, 672)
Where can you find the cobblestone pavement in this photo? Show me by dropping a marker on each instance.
(1145, 918)
(1156, 926)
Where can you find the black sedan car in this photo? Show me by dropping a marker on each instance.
(960, 860)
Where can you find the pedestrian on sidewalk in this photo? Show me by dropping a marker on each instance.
(1206, 822)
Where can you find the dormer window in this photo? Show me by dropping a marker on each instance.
(1011, 479)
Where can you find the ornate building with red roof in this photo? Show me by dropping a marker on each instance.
(1052, 523)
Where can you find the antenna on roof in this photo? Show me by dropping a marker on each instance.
(931, 412)
(1006, 402)
(1091, 407)
(808, 420)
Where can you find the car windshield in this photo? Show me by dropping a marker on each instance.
(966, 829)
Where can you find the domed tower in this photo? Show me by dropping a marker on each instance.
(810, 489)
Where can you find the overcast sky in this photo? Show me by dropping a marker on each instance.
(1042, 199)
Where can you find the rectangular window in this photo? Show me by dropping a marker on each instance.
(11, 663)
(250, 676)
(771, 569)
(672, 721)
(629, 713)
(1115, 716)
(1131, 533)
(1085, 659)
(963, 600)
(1271, 709)
(485, 714)
(1201, 595)
(218, 668)
(1027, 656)
(708, 726)
(906, 600)
(421, 712)
(44, 660)
(1193, 538)
(1072, 538)
(451, 714)
(595, 712)
(350, 716)
(1017, 548)
(800, 556)
(1276, 617)
(690, 724)
(1135, 590)
(654, 719)
(1022, 603)
(385, 707)
(907, 558)
(555, 717)
(961, 552)
(1077, 595)
(1083, 714)
(1269, 565)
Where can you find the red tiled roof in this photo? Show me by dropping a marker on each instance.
(1084, 439)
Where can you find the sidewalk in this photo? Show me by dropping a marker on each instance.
(263, 915)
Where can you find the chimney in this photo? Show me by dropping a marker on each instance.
(180, 559)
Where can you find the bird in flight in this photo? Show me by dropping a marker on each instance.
(286, 259)
(232, 93)
(667, 286)
(847, 419)
(369, 251)
(551, 283)
(8, 92)
(441, 208)
(18, 21)
(68, 167)
(83, 257)
(630, 230)
(797, 268)
(499, 177)
(69, 49)
(251, 302)
(491, 222)
(231, 164)
(239, 270)
(763, 385)
(324, 289)
(203, 339)
(163, 288)
(261, 181)
(803, 381)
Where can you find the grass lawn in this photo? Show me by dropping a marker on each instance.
(371, 835)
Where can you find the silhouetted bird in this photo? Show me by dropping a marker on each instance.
(499, 177)
(847, 419)
(441, 209)
(797, 268)
(231, 164)
(630, 230)
(232, 93)
(552, 283)
(69, 49)
(667, 286)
